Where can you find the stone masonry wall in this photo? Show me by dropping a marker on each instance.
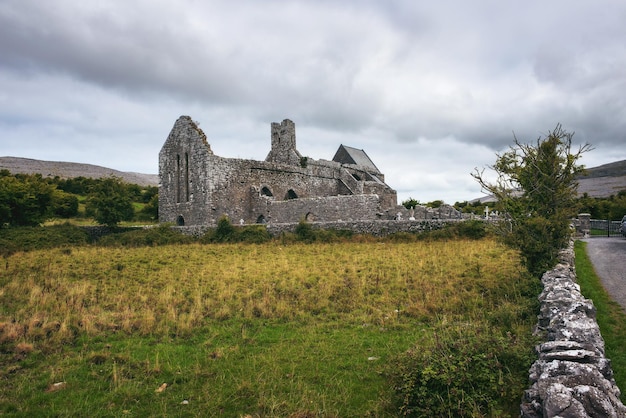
(341, 208)
(373, 227)
(197, 187)
(571, 377)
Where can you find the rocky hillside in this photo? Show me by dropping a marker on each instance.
(604, 180)
(69, 170)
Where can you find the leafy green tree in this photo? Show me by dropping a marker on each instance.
(64, 204)
(410, 203)
(149, 193)
(536, 187)
(150, 211)
(77, 185)
(435, 204)
(110, 202)
(25, 200)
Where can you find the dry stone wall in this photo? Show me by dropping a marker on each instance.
(373, 227)
(571, 377)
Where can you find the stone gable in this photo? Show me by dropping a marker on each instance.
(198, 187)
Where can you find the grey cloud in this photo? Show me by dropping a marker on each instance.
(402, 74)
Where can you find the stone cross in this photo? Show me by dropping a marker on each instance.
(486, 212)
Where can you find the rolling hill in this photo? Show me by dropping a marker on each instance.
(604, 180)
(61, 169)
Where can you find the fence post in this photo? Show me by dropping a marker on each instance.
(584, 224)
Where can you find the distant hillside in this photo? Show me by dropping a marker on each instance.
(602, 181)
(70, 170)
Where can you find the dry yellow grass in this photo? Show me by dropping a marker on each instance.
(269, 329)
(174, 289)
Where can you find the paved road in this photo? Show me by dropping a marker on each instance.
(608, 256)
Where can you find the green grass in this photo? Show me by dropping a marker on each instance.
(611, 317)
(231, 368)
(300, 330)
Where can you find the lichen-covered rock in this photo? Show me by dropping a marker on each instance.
(571, 377)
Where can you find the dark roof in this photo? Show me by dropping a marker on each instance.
(349, 155)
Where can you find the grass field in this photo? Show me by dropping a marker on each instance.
(299, 330)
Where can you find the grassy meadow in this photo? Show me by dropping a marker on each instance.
(267, 330)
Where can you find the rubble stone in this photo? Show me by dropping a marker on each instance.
(571, 377)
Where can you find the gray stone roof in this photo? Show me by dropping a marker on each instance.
(349, 155)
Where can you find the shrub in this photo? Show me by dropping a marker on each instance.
(536, 188)
(402, 237)
(226, 232)
(40, 237)
(164, 234)
(471, 229)
(304, 231)
(539, 241)
(254, 234)
(466, 370)
(223, 232)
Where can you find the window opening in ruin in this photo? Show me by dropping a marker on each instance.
(180, 221)
(177, 178)
(291, 195)
(309, 217)
(187, 177)
(261, 219)
(356, 177)
(265, 191)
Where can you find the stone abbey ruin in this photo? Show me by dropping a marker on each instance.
(198, 187)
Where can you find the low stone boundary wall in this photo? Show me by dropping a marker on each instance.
(376, 228)
(372, 227)
(571, 377)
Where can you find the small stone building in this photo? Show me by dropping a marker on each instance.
(198, 187)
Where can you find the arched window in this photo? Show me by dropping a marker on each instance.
(180, 221)
(310, 217)
(261, 219)
(291, 195)
(265, 191)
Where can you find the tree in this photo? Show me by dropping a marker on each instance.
(536, 187)
(150, 211)
(64, 204)
(110, 202)
(410, 203)
(25, 200)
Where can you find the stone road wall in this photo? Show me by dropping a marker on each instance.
(571, 377)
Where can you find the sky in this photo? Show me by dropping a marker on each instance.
(430, 90)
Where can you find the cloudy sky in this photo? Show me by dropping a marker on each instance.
(430, 90)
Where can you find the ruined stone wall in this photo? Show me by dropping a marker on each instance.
(198, 187)
(338, 208)
(571, 377)
(184, 174)
(375, 228)
(255, 189)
